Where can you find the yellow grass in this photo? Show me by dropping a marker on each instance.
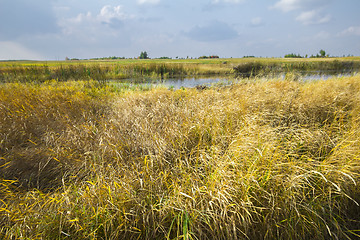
(262, 160)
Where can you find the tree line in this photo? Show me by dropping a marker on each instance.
(321, 54)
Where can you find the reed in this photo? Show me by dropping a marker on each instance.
(256, 160)
(325, 66)
(155, 69)
(106, 71)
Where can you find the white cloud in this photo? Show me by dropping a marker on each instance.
(352, 31)
(291, 5)
(310, 10)
(313, 17)
(306, 17)
(108, 13)
(141, 2)
(227, 1)
(81, 18)
(287, 5)
(110, 16)
(215, 5)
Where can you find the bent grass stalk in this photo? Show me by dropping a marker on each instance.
(263, 160)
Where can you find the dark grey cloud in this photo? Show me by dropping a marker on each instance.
(215, 31)
(23, 17)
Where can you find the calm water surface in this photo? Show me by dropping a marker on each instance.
(194, 82)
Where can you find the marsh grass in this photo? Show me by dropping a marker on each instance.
(155, 69)
(101, 72)
(256, 160)
(257, 68)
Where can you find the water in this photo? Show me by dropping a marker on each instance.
(176, 83)
(194, 82)
(218, 81)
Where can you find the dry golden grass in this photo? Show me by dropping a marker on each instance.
(261, 160)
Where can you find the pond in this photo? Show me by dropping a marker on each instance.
(194, 82)
(176, 83)
(221, 81)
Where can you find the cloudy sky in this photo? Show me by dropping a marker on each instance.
(55, 29)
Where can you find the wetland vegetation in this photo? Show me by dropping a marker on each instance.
(155, 69)
(263, 158)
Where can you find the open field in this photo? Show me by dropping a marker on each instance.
(154, 69)
(262, 159)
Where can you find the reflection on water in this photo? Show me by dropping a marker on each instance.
(175, 83)
(194, 82)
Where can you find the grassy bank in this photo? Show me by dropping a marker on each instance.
(105, 70)
(330, 66)
(155, 69)
(262, 160)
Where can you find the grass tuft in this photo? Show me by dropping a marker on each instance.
(256, 160)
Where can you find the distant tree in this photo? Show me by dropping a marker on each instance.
(206, 57)
(107, 58)
(144, 55)
(322, 53)
(293, 55)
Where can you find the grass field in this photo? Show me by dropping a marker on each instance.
(154, 69)
(261, 159)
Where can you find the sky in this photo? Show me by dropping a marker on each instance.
(56, 29)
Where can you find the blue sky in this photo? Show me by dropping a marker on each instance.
(54, 29)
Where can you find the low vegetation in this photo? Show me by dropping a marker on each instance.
(293, 55)
(127, 71)
(304, 66)
(274, 159)
(321, 54)
(143, 70)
